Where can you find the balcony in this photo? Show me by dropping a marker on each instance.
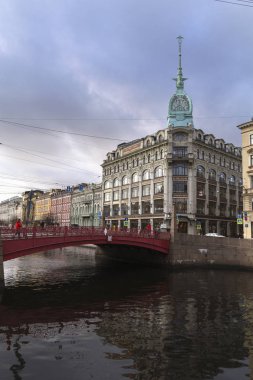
(172, 157)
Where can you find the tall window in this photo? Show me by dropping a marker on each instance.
(179, 136)
(135, 192)
(107, 197)
(200, 171)
(251, 160)
(146, 175)
(145, 190)
(116, 182)
(212, 174)
(180, 169)
(158, 172)
(135, 178)
(107, 185)
(124, 180)
(251, 139)
(180, 187)
(222, 178)
(180, 205)
(179, 151)
(124, 193)
(116, 195)
(232, 180)
(158, 188)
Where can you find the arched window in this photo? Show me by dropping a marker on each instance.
(158, 172)
(116, 182)
(107, 185)
(180, 136)
(124, 180)
(148, 143)
(222, 178)
(135, 178)
(212, 174)
(200, 171)
(232, 180)
(160, 138)
(146, 175)
(161, 154)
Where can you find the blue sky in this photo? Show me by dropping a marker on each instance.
(105, 68)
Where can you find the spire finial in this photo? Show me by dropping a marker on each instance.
(180, 80)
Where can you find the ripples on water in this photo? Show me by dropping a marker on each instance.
(73, 314)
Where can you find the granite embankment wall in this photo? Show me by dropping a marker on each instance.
(1, 265)
(192, 250)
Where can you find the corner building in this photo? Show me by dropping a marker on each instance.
(178, 171)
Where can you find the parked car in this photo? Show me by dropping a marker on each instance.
(214, 234)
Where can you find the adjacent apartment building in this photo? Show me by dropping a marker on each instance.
(178, 171)
(247, 167)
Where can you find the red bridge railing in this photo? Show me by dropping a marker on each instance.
(8, 233)
(34, 239)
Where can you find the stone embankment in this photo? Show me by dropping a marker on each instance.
(1, 265)
(192, 250)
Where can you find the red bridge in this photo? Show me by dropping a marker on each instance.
(38, 239)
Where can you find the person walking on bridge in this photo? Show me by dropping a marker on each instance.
(18, 226)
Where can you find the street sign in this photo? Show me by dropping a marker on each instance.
(239, 221)
(125, 223)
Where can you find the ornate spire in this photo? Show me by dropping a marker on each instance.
(180, 79)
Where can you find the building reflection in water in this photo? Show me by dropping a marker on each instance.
(140, 323)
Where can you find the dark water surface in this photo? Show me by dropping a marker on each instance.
(73, 314)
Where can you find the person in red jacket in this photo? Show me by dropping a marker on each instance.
(18, 226)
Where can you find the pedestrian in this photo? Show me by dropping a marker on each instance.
(18, 226)
(105, 231)
(148, 229)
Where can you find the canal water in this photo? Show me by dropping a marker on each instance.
(74, 314)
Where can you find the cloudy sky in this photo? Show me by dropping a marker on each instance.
(78, 77)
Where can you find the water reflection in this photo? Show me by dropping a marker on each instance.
(72, 312)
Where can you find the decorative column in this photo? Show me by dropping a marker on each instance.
(191, 207)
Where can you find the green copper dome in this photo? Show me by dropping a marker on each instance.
(180, 104)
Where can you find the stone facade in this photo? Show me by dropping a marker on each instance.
(10, 210)
(86, 205)
(180, 170)
(247, 166)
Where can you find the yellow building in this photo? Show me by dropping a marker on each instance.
(247, 170)
(42, 211)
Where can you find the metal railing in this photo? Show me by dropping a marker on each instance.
(7, 233)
